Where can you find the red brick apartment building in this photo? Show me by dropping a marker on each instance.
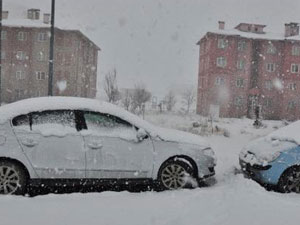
(25, 54)
(246, 67)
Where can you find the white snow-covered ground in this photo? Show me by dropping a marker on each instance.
(232, 200)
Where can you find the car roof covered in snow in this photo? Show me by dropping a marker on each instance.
(287, 133)
(9, 111)
(26, 106)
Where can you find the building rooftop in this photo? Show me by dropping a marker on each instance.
(251, 35)
(21, 20)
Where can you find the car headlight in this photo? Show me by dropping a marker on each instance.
(210, 153)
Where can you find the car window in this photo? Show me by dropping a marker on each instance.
(21, 122)
(104, 120)
(108, 125)
(54, 122)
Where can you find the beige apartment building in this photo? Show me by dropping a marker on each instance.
(25, 59)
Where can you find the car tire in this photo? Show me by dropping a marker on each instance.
(290, 181)
(13, 179)
(175, 174)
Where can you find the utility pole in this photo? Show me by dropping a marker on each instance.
(51, 53)
(0, 52)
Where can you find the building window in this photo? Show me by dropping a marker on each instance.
(21, 55)
(67, 58)
(294, 68)
(91, 58)
(20, 75)
(241, 64)
(222, 43)
(68, 42)
(206, 63)
(268, 102)
(271, 49)
(42, 36)
(296, 50)
(41, 56)
(242, 46)
(22, 36)
(202, 82)
(219, 81)
(238, 101)
(39, 93)
(268, 85)
(33, 14)
(40, 75)
(270, 67)
(19, 93)
(292, 86)
(291, 104)
(221, 62)
(3, 35)
(3, 55)
(240, 82)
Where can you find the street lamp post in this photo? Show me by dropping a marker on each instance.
(51, 53)
(0, 52)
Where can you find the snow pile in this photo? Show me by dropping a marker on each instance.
(236, 201)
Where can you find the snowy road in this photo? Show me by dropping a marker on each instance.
(232, 200)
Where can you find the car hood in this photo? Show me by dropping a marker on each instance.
(181, 137)
(264, 150)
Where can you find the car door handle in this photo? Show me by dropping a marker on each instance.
(95, 146)
(29, 142)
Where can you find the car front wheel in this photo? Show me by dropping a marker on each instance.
(12, 178)
(175, 174)
(290, 181)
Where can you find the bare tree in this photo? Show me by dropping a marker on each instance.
(111, 86)
(170, 100)
(126, 99)
(139, 97)
(188, 98)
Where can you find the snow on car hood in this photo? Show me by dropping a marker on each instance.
(180, 137)
(265, 149)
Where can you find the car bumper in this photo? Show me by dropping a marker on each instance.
(211, 172)
(256, 172)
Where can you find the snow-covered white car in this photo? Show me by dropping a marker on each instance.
(274, 160)
(67, 139)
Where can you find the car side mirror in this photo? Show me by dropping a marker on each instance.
(141, 135)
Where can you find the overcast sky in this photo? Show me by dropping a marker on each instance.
(154, 41)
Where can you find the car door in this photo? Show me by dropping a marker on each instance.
(52, 143)
(113, 150)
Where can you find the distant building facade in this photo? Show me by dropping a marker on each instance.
(245, 68)
(25, 59)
